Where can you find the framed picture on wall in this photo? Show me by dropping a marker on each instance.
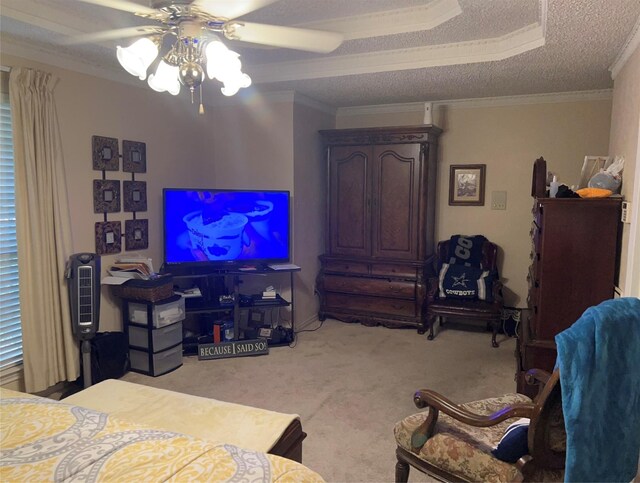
(466, 184)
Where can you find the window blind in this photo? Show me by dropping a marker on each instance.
(10, 328)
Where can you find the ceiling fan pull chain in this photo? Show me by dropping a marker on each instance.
(201, 108)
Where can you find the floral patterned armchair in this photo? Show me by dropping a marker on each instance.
(456, 446)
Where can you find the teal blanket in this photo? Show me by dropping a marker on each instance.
(599, 362)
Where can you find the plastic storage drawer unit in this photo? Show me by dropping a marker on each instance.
(160, 313)
(161, 338)
(158, 363)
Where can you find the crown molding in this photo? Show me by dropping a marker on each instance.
(313, 104)
(59, 18)
(629, 47)
(551, 98)
(483, 50)
(390, 22)
(288, 96)
(39, 53)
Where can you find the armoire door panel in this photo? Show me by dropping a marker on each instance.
(395, 193)
(349, 204)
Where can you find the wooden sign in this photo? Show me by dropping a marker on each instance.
(235, 348)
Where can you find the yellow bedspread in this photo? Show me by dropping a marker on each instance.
(45, 440)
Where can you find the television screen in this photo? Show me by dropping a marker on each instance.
(208, 226)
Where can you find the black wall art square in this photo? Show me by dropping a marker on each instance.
(134, 157)
(106, 196)
(108, 237)
(135, 195)
(136, 234)
(106, 156)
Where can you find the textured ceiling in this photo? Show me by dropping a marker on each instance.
(581, 40)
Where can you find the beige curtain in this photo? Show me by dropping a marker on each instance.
(43, 231)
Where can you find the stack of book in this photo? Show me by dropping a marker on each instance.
(136, 268)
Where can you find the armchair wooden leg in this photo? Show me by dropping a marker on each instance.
(494, 328)
(432, 321)
(402, 471)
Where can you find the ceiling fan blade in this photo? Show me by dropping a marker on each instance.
(113, 34)
(319, 41)
(124, 5)
(231, 8)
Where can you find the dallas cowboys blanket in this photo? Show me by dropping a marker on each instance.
(466, 250)
(599, 362)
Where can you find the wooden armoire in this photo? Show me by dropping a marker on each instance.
(381, 189)
(573, 264)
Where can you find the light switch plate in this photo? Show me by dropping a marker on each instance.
(498, 200)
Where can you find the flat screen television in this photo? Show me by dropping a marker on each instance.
(225, 227)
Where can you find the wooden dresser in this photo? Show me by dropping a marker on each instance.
(573, 263)
(380, 224)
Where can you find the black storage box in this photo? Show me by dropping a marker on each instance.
(109, 356)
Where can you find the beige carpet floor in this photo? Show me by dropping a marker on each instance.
(350, 384)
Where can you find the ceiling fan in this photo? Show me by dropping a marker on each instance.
(197, 26)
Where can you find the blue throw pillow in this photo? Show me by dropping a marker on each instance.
(464, 282)
(514, 444)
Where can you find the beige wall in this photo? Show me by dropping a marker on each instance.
(309, 206)
(272, 143)
(251, 144)
(251, 147)
(625, 123)
(508, 139)
(90, 106)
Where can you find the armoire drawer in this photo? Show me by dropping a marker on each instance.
(371, 305)
(370, 286)
(348, 267)
(394, 270)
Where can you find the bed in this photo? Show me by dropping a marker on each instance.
(42, 439)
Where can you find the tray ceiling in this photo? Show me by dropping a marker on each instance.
(395, 50)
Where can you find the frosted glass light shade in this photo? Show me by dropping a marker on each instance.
(136, 58)
(165, 79)
(233, 84)
(221, 60)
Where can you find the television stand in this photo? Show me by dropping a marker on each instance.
(221, 301)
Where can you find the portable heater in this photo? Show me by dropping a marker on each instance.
(83, 277)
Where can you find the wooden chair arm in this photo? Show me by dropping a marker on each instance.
(537, 376)
(436, 402)
(432, 288)
(496, 291)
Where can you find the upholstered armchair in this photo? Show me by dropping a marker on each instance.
(488, 311)
(457, 444)
(583, 424)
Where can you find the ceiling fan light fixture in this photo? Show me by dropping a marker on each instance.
(137, 58)
(222, 62)
(165, 79)
(233, 84)
(190, 74)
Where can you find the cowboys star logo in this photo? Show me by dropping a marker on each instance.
(461, 280)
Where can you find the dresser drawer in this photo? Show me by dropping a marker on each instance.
(393, 270)
(370, 286)
(349, 267)
(371, 305)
